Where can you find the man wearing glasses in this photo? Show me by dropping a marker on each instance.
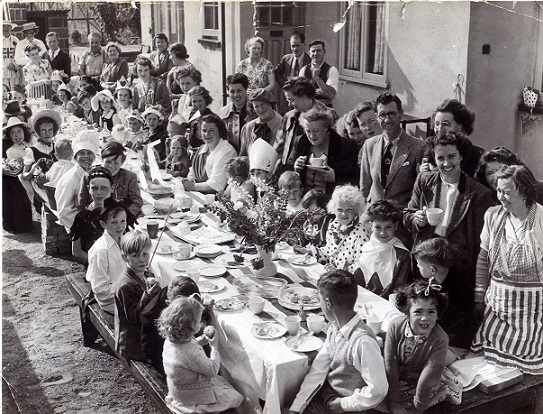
(390, 161)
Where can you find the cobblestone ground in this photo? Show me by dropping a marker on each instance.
(45, 368)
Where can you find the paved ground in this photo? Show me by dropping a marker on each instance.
(45, 368)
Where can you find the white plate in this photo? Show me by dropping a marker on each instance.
(267, 288)
(302, 260)
(191, 218)
(166, 176)
(268, 330)
(229, 305)
(176, 256)
(209, 287)
(294, 296)
(208, 250)
(212, 271)
(306, 343)
(227, 260)
(182, 266)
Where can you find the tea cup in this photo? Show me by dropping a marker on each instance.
(433, 215)
(183, 250)
(256, 304)
(186, 202)
(317, 162)
(316, 323)
(292, 323)
(147, 209)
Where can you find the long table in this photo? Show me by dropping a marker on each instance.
(265, 371)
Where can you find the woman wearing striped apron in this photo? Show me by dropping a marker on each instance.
(510, 275)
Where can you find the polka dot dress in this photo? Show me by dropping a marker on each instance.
(345, 254)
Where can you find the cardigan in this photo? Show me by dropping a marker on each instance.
(425, 367)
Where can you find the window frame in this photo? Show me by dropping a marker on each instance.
(362, 76)
(211, 33)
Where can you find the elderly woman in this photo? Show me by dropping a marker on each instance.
(255, 67)
(115, 69)
(491, 161)
(179, 56)
(161, 57)
(36, 73)
(324, 158)
(346, 233)
(207, 173)
(185, 78)
(16, 207)
(149, 90)
(510, 275)
(452, 115)
(463, 202)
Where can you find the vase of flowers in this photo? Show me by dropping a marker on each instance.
(262, 225)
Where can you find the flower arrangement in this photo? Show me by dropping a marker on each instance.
(264, 224)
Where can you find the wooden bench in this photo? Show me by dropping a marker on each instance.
(152, 382)
(520, 398)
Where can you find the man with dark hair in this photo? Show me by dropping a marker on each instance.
(234, 114)
(325, 77)
(59, 59)
(290, 65)
(300, 94)
(390, 161)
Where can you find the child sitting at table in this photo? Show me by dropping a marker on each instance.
(416, 349)
(126, 190)
(104, 104)
(84, 109)
(348, 373)
(291, 183)
(123, 95)
(434, 259)
(86, 227)
(156, 129)
(64, 96)
(239, 187)
(151, 341)
(177, 163)
(194, 385)
(133, 291)
(315, 227)
(106, 263)
(19, 94)
(262, 160)
(385, 263)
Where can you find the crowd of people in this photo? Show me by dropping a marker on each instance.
(454, 230)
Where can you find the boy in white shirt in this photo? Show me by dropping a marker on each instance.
(106, 263)
(348, 373)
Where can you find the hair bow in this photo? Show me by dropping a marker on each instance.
(432, 286)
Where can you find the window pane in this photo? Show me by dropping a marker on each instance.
(263, 13)
(211, 16)
(353, 39)
(375, 39)
(276, 16)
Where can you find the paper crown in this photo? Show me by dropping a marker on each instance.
(88, 139)
(122, 84)
(56, 75)
(262, 156)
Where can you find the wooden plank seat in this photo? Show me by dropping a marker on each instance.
(95, 322)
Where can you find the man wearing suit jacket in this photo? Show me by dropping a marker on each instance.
(290, 65)
(389, 172)
(59, 59)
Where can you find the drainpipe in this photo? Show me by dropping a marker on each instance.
(223, 38)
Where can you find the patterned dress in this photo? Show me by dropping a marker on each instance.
(512, 330)
(344, 246)
(258, 75)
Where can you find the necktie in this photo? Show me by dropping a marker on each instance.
(385, 164)
(296, 69)
(262, 131)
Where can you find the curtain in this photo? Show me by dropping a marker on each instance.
(354, 38)
(380, 41)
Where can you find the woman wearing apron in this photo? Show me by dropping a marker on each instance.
(510, 275)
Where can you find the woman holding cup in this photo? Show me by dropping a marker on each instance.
(325, 159)
(450, 204)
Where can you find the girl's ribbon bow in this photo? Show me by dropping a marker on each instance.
(432, 286)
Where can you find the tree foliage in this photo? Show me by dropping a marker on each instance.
(119, 22)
